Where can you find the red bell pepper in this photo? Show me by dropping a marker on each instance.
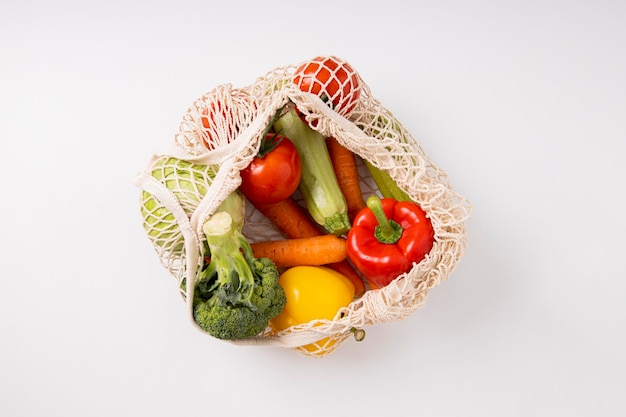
(387, 237)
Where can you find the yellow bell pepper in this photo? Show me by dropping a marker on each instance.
(313, 293)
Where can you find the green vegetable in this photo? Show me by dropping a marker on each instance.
(236, 294)
(189, 183)
(388, 186)
(318, 185)
(234, 204)
(385, 127)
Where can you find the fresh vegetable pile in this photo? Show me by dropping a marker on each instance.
(297, 210)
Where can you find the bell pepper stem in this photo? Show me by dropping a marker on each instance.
(387, 230)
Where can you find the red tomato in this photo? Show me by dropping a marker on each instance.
(274, 175)
(333, 80)
(217, 116)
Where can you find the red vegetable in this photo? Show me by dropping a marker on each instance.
(333, 80)
(274, 174)
(387, 237)
(217, 115)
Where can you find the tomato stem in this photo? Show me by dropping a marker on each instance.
(269, 143)
(387, 230)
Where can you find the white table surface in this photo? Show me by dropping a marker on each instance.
(522, 103)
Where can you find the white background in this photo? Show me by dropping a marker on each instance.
(522, 103)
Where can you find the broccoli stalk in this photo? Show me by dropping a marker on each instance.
(236, 294)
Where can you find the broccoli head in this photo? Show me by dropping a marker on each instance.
(236, 294)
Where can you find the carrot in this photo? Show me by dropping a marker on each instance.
(316, 250)
(290, 219)
(294, 223)
(346, 171)
(346, 269)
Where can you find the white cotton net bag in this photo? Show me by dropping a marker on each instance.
(222, 132)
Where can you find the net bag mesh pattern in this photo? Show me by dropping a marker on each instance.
(219, 136)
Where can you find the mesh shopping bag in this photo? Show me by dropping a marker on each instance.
(219, 136)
